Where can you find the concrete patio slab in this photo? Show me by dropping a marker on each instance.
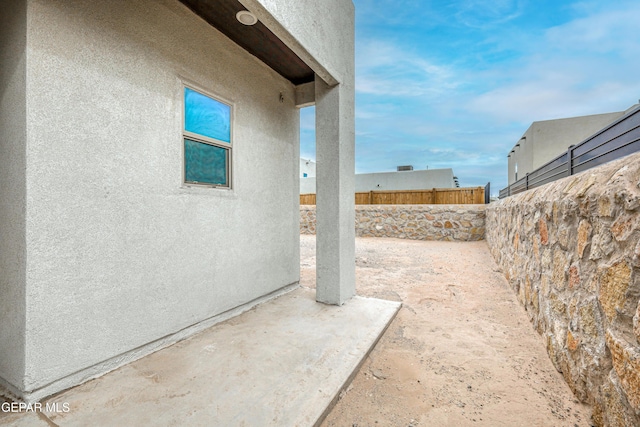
(282, 363)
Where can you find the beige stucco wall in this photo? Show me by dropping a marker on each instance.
(380, 181)
(307, 166)
(406, 180)
(545, 140)
(120, 253)
(13, 43)
(571, 252)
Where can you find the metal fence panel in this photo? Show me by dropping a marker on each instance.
(616, 140)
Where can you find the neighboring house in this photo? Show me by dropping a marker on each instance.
(400, 180)
(307, 168)
(132, 211)
(545, 140)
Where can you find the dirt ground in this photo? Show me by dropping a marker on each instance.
(461, 351)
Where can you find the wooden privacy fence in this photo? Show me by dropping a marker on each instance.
(435, 196)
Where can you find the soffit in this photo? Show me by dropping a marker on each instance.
(256, 39)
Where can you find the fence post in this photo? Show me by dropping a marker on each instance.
(570, 160)
(371, 197)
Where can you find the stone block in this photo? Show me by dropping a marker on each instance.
(574, 277)
(614, 283)
(573, 309)
(557, 305)
(571, 375)
(612, 410)
(602, 244)
(588, 320)
(551, 351)
(624, 226)
(598, 414)
(605, 208)
(477, 231)
(536, 249)
(584, 233)
(563, 237)
(626, 362)
(545, 287)
(559, 277)
(572, 342)
(544, 231)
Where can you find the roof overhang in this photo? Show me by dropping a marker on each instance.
(256, 39)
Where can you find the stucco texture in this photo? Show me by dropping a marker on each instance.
(409, 180)
(121, 253)
(13, 38)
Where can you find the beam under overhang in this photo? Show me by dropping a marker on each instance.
(306, 95)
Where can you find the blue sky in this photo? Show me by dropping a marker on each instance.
(456, 83)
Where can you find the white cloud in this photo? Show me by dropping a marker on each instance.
(384, 68)
(463, 103)
(482, 14)
(586, 66)
(603, 31)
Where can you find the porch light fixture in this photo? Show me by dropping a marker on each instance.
(246, 18)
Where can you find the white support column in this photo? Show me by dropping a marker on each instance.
(335, 189)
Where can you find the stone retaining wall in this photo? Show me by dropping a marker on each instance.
(418, 222)
(571, 252)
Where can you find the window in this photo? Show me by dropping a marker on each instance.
(207, 140)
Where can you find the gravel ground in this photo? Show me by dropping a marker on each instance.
(461, 351)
